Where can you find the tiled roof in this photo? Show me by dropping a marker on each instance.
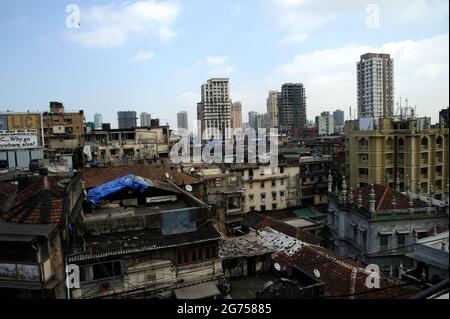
(7, 190)
(132, 242)
(39, 203)
(342, 278)
(383, 198)
(288, 230)
(97, 176)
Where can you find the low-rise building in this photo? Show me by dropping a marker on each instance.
(129, 145)
(224, 193)
(142, 238)
(34, 231)
(379, 225)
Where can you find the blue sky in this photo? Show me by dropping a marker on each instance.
(153, 56)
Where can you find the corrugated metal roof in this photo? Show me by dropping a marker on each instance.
(131, 242)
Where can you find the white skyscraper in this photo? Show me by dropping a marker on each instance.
(146, 119)
(375, 85)
(214, 110)
(182, 120)
(272, 108)
(98, 120)
(325, 124)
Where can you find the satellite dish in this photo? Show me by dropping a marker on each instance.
(317, 273)
(167, 175)
(277, 266)
(189, 188)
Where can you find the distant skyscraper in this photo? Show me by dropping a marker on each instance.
(214, 110)
(325, 124)
(443, 115)
(182, 120)
(263, 121)
(253, 120)
(272, 108)
(98, 120)
(338, 116)
(146, 119)
(127, 119)
(292, 107)
(375, 85)
(236, 115)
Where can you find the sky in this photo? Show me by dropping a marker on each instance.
(153, 56)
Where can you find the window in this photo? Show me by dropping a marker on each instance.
(281, 194)
(274, 195)
(262, 184)
(274, 206)
(250, 197)
(364, 237)
(281, 169)
(401, 240)
(274, 183)
(384, 242)
(363, 143)
(101, 271)
(282, 182)
(263, 208)
(263, 196)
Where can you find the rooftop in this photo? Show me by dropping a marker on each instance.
(39, 203)
(300, 222)
(131, 242)
(94, 177)
(244, 246)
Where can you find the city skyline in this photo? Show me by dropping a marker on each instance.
(127, 68)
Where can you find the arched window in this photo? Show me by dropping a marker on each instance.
(439, 141)
(401, 142)
(389, 143)
(424, 142)
(363, 142)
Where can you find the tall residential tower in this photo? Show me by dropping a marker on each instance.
(375, 73)
(214, 110)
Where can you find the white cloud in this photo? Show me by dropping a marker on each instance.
(298, 19)
(113, 25)
(216, 60)
(217, 65)
(235, 8)
(421, 72)
(142, 56)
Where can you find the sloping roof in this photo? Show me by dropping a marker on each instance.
(287, 229)
(7, 189)
(130, 242)
(244, 246)
(26, 230)
(383, 198)
(39, 203)
(94, 177)
(343, 278)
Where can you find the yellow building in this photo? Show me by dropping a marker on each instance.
(408, 154)
(63, 130)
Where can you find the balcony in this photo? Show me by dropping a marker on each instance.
(102, 287)
(34, 274)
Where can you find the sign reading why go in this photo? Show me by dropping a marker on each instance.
(18, 140)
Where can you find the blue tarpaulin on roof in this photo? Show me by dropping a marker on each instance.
(130, 181)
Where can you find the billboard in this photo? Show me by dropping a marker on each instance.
(10, 140)
(18, 122)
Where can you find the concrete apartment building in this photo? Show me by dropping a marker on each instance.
(128, 145)
(146, 119)
(339, 121)
(272, 108)
(63, 131)
(236, 115)
(214, 110)
(127, 119)
(375, 81)
(379, 151)
(292, 107)
(263, 121)
(182, 120)
(325, 124)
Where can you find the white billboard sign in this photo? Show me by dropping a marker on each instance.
(13, 140)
